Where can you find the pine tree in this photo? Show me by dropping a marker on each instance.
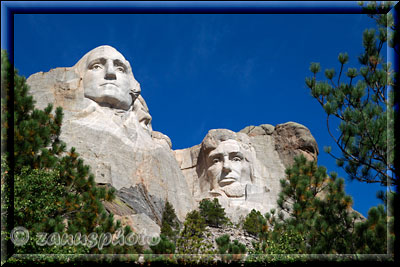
(74, 201)
(213, 212)
(169, 231)
(317, 208)
(254, 222)
(376, 234)
(230, 250)
(170, 224)
(6, 200)
(372, 234)
(226, 246)
(363, 105)
(223, 243)
(193, 237)
(165, 246)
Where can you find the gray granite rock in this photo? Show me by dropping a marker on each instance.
(115, 139)
(139, 199)
(108, 122)
(267, 151)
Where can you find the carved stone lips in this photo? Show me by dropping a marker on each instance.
(107, 84)
(227, 181)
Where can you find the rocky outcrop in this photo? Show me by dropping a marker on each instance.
(139, 199)
(293, 139)
(117, 143)
(270, 149)
(108, 122)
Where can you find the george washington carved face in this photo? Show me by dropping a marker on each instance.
(108, 78)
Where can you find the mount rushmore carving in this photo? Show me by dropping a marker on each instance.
(108, 122)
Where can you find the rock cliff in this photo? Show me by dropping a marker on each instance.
(108, 122)
(270, 149)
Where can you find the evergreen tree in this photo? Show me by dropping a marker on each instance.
(372, 234)
(317, 208)
(165, 246)
(254, 222)
(230, 250)
(226, 246)
(236, 247)
(363, 105)
(213, 212)
(193, 237)
(376, 234)
(223, 243)
(279, 242)
(169, 231)
(170, 224)
(6, 78)
(315, 217)
(74, 201)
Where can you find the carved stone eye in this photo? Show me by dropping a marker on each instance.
(96, 67)
(121, 69)
(216, 160)
(237, 158)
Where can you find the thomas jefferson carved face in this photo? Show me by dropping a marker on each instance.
(228, 168)
(107, 78)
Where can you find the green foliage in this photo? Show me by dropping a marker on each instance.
(285, 242)
(236, 247)
(54, 190)
(223, 243)
(315, 217)
(317, 210)
(383, 18)
(6, 78)
(253, 222)
(230, 250)
(376, 234)
(37, 198)
(226, 246)
(165, 246)
(193, 239)
(169, 231)
(363, 105)
(36, 132)
(5, 199)
(170, 224)
(212, 212)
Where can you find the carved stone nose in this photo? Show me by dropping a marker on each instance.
(110, 72)
(227, 166)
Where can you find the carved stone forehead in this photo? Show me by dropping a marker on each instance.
(227, 146)
(106, 52)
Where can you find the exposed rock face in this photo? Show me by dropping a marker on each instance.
(293, 139)
(108, 122)
(142, 202)
(268, 150)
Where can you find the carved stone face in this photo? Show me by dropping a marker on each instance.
(228, 168)
(107, 79)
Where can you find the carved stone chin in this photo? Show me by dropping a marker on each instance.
(234, 190)
(108, 78)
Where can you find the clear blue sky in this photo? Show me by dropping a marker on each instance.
(205, 71)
